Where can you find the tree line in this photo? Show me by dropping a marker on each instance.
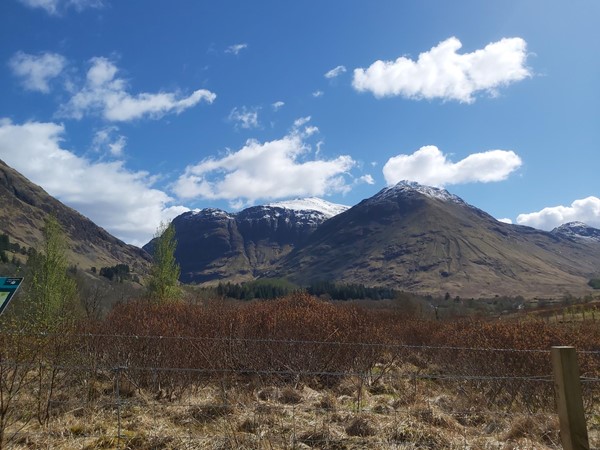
(274, 288)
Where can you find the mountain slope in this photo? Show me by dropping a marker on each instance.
(426, 240)
(23, 208)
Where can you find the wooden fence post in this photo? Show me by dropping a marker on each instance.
(573, 429)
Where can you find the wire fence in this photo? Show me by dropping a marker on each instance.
(158, 392)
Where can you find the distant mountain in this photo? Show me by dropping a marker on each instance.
(424, 239)
(23, 208)
(577, 230)
(215, 245)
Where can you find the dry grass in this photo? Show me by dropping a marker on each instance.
(290, 417)
(298, 373)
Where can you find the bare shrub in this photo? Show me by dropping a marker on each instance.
(540, 429)
(209, 412)
(361, 426)
(249, 425)
(328, 402)
(417, 435)
(321, 439)
(290, 396)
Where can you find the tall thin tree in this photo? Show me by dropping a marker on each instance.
(53, 293)
(163, 284)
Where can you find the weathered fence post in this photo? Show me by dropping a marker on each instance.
(573, 429)
(118, 371)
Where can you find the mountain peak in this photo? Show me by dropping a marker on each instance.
(207, 213)
(406, 187)
(326, 208)
(577, 230)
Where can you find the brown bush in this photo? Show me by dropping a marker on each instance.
(300, 338)
(361, 426)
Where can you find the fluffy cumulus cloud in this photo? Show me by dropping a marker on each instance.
(36, 71)
(430, 166)
(55, 7)
(106, 94)
(275, 169)
(506, 220)
(335, 72)
(586, 210)
(122, 201)
(445, 74)
(244, 117)
(317, 94)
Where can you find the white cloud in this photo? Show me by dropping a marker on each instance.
(586, 210)
(508, 221)
(301, 122)
(244, 117)
(430, 166)
(276, 169)
(335, 72)
(309, 131)
(55, 7)
(443, 73)
(106, 141)
(278, 105)
(107, 95)
(36, 71)
(368, 179)
(115, 198)
(318, 94)
(236, 49)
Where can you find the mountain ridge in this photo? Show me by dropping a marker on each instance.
(24, 207)
(408, 236)
(216, 245)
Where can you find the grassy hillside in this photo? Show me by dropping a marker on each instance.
(431, 246)
(23, 208)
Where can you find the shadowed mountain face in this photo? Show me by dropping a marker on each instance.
(214, 245)
(426, 240)
(23, 208)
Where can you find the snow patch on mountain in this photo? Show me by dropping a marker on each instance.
(578, 230)
(411, 187)
(326, 208)
(208, 212)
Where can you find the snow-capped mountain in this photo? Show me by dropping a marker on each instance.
(425, 239)
(411, 188)
(214, 244)
(408, 236)
(208, 213)
(577, 230)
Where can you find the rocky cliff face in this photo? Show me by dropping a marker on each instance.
(215, 245)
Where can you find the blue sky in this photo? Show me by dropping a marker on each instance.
(135, 111)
